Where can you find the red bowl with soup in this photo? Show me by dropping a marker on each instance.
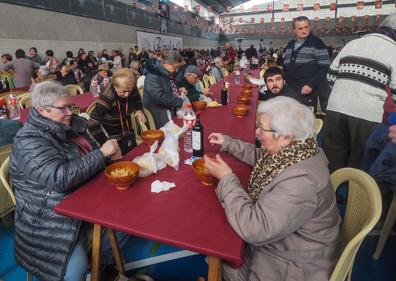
(122, 174)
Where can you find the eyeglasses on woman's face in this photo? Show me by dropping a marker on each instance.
(63, 109)
(262, 130)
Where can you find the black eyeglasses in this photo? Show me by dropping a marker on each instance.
(63, 108)
(262, 130)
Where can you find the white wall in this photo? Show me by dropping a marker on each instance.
(24, 27)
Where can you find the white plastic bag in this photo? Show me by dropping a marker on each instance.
(169, 150)
(180, 111)
(150, 162)
(171, 127)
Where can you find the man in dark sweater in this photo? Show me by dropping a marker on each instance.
(187, 80)
(306, 62)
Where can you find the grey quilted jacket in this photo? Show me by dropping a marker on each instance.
(45, 166)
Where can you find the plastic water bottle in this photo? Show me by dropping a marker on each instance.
(13, 107)
(189, 121)
(237, 77)
(94, 87)
(3, 109)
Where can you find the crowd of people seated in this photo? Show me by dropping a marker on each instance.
(287, 216)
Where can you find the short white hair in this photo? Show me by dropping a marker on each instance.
(45, 94)
(289, 117)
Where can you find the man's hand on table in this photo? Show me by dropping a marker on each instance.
(217, 167)
(206, 92)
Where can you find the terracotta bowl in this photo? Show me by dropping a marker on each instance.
(150, 136)
(201, 173)
(199, 105)
(246, 92)
(248, 86)
(240, 110)
(243, 100)
(122, 174)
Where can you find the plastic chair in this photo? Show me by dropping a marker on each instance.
(363, 210)
(141, 92)
(90, 108)
(212, 80)
(387, 227)
(206, 81)
(149, 125)
(24, 101)
(319, 108)
(7, 198)
(74, 90)
(261, 75)
(224, 72)
(318, 125)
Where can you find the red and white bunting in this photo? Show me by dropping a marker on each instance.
(269, 7)
(366, 17)
(241, 9)
(316, 7)
(175, 8)
(261, 20)
(228, 10)
(185, 8)
(272, 20)
(222, 19)
(327, 19)
(359, 5)
(378, 4)
(231, 19)
(340, 19)
(133, 4)
(300, 7)
(285, 7)
(240, 19)
(197, 8)
(353, 18)
(282, 20)
(252, 20)
(333, 6)
(209, 9)
(255, 8)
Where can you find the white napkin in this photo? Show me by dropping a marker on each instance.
(158, 186)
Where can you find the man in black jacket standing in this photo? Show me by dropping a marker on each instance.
(306, 62)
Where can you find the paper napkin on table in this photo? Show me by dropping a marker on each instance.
(158, 186)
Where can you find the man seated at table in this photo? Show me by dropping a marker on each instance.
(111, 116)
(287, 215)
(216, 69)
(188, 79)
(273, 85)
(51, 157)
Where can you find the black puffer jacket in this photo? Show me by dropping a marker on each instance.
(45, 167)
(158, 96)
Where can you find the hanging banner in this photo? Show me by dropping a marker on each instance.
(185, 8)
(154, 41)
(255, 8)
(285, 7)
(251, 20)
(300, 7)
(378, 4)
(360, 5)
(316, 7)
(333, 6)
(269, 7)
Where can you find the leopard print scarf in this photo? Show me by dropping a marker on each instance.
(269, 166)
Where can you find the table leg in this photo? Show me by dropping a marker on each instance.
(96, 243)
(214, 273)
(116, 251)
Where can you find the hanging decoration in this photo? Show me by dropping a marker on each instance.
(333, 6)
(175, 8)
(228, 10)
(316, 7)
(133, 4)
(231, 19)
(197, 8)
(209, 9)
(359, 5)
(255, 8)
(269, 7)
(378, 4)
(285, 7)
(240, 20)
(300, 7)
(185, 8)
(251, 20)
(241, 9)
(261, 20)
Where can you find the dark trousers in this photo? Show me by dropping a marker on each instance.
(344, 139)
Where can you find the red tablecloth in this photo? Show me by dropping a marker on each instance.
(82, 101)
(189, 216)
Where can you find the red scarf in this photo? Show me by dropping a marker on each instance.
(83, 144)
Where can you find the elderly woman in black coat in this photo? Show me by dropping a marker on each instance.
(50, 158)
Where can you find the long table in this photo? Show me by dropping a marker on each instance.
(189, 216)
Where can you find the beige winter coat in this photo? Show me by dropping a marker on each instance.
(293, 230)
